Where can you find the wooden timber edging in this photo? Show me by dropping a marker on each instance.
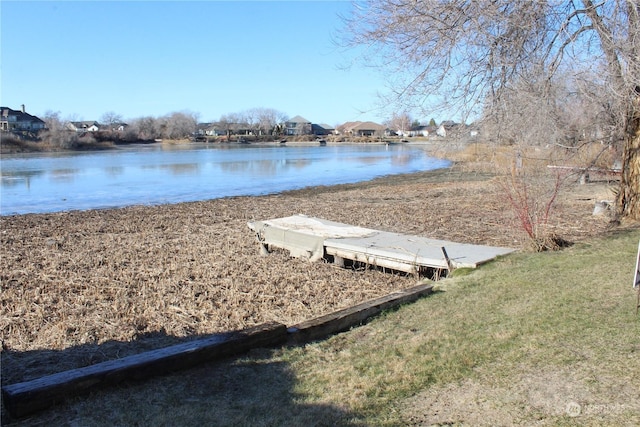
(342, 320)
(31, 396)
(28, 397)
(585, 171)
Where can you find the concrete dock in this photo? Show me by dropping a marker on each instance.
(316, 238)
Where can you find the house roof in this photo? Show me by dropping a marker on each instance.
(85, 124)
(348, 125)
(298, 119)
(20, 116)
(361, 126)
(369, 126)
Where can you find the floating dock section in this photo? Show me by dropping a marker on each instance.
(315, 239)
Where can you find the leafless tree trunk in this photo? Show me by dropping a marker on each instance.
(469, 57)
(628, 200)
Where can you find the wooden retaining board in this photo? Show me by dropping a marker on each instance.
(343, 320)
(310, 237)
(30, 396)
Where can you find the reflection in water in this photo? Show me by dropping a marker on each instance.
(263, 167)
(234, 167)
(400, 160)
(260, 167)
(156, 174)
(298, 163)
(15, 178)
(64, 175)
(113, 171)
(371, 160)
(182, 168)
(266, 167)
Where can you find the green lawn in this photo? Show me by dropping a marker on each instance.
(550, 337)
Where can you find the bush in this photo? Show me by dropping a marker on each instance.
(12, 143)
(532, 197)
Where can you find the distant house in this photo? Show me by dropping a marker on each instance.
(362, 129)
(447, 127)
(297, 126)
(19, 120)
(204, 128)
(345, 128)
(213, 129)
(421, 130)
(109, 127)
(216, 131)
(118, 127)
(84, 126)
(321, 129)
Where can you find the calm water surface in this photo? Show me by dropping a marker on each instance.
(160, 173)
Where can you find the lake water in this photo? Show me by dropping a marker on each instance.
(162, 173)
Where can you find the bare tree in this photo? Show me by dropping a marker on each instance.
(145, 128)
(528, 112)
(56, 132)
(178, 125)
(268, 119)
(232, 123)
(238, 122)
(401, 123)
(111, 119)
(280, 123)
(470, 55)
(226, 124)
(252, 119)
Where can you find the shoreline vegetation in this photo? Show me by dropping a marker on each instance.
(83, 287)
(12, 144)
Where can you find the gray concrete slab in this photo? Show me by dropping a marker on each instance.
(311, 237)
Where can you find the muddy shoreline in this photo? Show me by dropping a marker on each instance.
(85, 286)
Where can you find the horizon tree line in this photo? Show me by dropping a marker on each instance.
(185, 124)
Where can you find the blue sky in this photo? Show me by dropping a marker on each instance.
(152, 58)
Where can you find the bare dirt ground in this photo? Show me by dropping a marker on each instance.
(87, 286)
(548, 393)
